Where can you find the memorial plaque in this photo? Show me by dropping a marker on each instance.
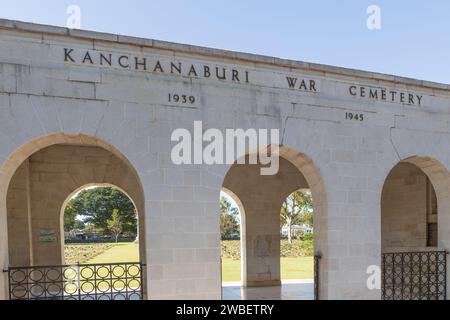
(47, 235)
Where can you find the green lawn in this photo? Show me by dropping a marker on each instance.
(82, 252)
(297, 268)
(231, 269)
(291, 268)
(100, 253)
(122, 252)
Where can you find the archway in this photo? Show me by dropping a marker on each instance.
(414, 229)
(261, 198)
(99, 224)
(232, 239)
(297, 242)
(36, 181)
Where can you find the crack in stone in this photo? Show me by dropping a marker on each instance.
(36, 114)
(392, 141)
(285, 123)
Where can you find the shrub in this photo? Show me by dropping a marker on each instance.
(231, 249)
(298, 248)
(307, 236)
(104, 240)
(80, 253)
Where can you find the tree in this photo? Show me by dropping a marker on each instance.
(70, 219)
(115, 224)
(96, 205)
(229, 224)
(90, 228)
(296, 209)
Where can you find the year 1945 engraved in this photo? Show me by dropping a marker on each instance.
(354, 116)
(181, 98)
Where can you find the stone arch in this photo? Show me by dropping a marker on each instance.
(35, 145)
(439, 177)
(316, 184)
(242, 231)
(293, 165)
(93, 184)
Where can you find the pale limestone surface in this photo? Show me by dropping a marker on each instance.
(44, 183)
(46, 101)
(262, 239)
(403, 204)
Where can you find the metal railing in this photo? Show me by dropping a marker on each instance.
(316, 275)
(420, 275)
(103, 281)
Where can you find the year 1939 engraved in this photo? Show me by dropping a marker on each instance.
(354, 116)
(181, 98)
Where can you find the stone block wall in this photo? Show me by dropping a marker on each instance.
(404, 208)
(42, 185)
(261, 198)
(45, 100)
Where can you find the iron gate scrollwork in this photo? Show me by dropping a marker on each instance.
(103, 281)
(414, 275)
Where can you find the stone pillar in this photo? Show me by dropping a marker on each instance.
(444, 235)
(4, 259)
(19, 219)
(262, 247)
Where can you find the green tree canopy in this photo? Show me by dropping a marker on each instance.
(229, 224)
(70, 219)
(297, 209)
(115, 224)
(96, 206)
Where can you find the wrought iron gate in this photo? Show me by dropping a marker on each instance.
(105, 281)
(414, 275)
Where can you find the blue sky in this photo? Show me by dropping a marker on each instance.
(414, 39)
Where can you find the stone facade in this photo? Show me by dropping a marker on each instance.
(41, 186)
(260, 198)
(407, 204)
(342, 132)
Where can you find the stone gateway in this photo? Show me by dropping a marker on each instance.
(80, 108)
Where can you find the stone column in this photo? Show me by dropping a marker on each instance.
(19, 220)
(262, 247)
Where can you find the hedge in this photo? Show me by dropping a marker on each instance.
(298, 248)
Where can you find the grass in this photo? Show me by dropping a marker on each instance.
(99, 253)
(82, 252)
(231, 270)
(298, 248)
(297, 268)
(122, 252)
(296, 260)
(291, 268)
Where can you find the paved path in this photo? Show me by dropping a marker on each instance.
(289, 290)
